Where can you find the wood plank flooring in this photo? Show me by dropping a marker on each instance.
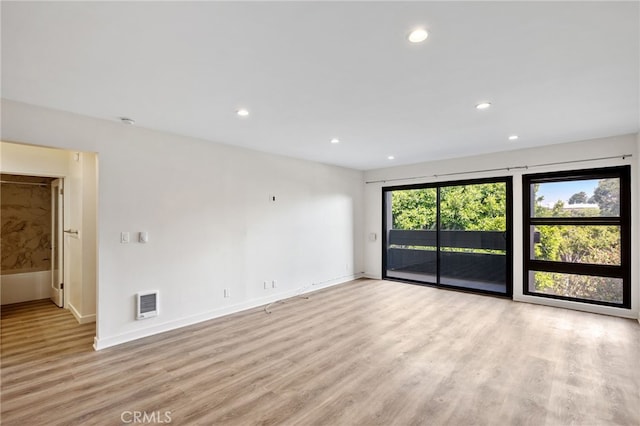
(363, 353)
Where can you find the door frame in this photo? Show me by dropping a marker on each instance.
(58, 243)
(61, 163)
(507, 180)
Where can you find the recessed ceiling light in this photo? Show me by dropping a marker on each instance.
(129, 121)
(335, 140)
(483, 105)
(391, 157)
(513, 137)
(242, 112)
(418, 36)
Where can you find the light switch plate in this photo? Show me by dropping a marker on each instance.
(124, 237)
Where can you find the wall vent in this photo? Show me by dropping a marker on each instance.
(146, 305)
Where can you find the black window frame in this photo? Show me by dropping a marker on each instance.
(507, 180)
(622, 271)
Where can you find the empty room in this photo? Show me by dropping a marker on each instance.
(320, 213)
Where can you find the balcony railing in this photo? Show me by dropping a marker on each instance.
(465, 256)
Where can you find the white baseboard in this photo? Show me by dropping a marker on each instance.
(82, 319)
(577, 306)
(102, 343)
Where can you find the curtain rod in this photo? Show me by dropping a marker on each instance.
(25, 183)
(500, 169)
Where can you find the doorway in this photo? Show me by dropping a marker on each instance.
(70, 246)
(450, 234)
(32, 249)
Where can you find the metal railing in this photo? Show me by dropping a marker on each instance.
(464, 255)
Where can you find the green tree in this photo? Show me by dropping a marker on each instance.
(414, 209)
(538, 209)
(578, 198)
(607, 196)
(473, 207)
(464, 207)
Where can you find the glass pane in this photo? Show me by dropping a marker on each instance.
(411, 240)
(576, 198)
(473, 241)
(576, 244)
(414, 209)
(602, 289)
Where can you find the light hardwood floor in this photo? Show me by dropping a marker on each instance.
(363, 353)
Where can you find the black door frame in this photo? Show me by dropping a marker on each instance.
(507, 180)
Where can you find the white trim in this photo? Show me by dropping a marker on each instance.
(82, 319)
(577, 306)
(216, 313)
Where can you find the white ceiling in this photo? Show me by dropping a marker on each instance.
(312, 71)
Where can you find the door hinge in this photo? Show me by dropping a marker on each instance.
(61, 191)
(61, 286)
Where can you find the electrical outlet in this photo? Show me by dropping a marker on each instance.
(226, 292)
(273, 284)
(124, 237)
(266, 285)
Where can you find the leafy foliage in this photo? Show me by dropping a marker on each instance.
(474, 207)
(607, 196)
(578, 198)
(580, 286)
(414, 209)
(465, 207)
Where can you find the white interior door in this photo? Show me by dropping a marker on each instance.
(57, 243)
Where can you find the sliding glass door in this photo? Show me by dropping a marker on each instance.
(455, 234)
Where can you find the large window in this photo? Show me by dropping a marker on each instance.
(577, 236)
(452, 234)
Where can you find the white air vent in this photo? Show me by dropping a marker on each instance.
(146, 305)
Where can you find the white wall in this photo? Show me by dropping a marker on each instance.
(584, 150)
(79, 173)
(211, 225)
(90, 235)
(81, 185)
